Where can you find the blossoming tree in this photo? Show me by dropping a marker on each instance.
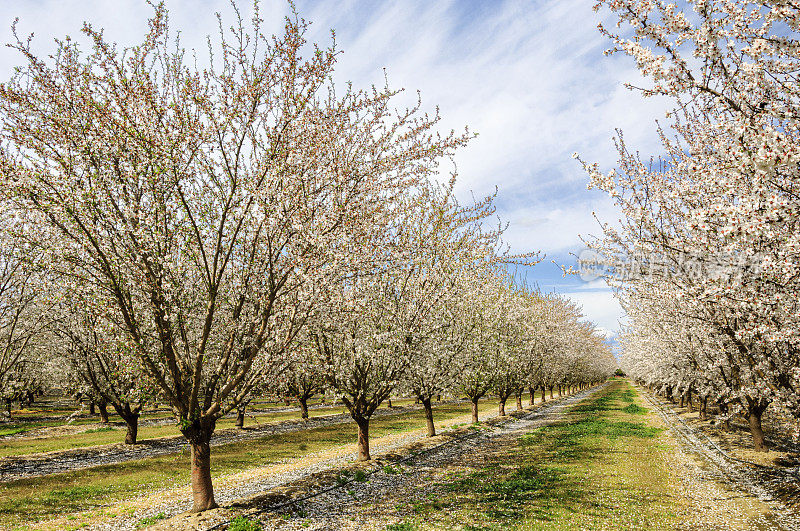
(202, 204)
(714, 226)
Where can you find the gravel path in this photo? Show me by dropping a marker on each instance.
(768, 486)
(341, 508)
(19, 467)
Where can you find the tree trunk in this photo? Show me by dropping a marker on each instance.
(363, 438)
(519, 401)
(544, 392)
(689, 404)
(559, 391)
(754, 420)
(103, 407)
(474, 410)
(202, 488)
(502, 407)
(723, 409)
(132, 422)
(91, 407)
(426, 404)
(683, 400)
(199, 436)
(532, 392)
(303, 407)
(439, 398)
(240, 411)
(389, 403)
(551, 392)
(704, 408)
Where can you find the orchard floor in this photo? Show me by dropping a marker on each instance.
(131, 494)
(600, 460)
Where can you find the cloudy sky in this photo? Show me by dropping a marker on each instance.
(529, 77)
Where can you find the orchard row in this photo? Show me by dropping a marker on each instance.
(203, 235)
(709, 243)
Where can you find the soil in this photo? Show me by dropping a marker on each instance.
(715, 465)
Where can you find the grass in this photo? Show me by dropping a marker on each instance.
(241, 523)
(635, 409)
(12, 430)
(389, 469)
(601, 468)
(150, 520)
(101, 429)
(27, 501)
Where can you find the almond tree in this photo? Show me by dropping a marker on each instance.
(24, 312)
(480, 312)
(202, 205)
(546, 314)
(519, 331)
(304, 377)
(557, 339)
(540, 341)
(509, 346)
(103, 360)
(356, 332)
(674, 262)
(361, 360)
(447, 244)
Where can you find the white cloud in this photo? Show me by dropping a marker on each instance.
(594, 285)
(555, 226)
(601, 308)
(606, 333)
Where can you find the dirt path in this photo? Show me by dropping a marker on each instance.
(28, 466)
(345, 508)
(725, 476)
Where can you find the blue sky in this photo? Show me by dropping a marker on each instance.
(529, 77)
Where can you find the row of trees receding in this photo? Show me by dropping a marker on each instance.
(706, 258)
